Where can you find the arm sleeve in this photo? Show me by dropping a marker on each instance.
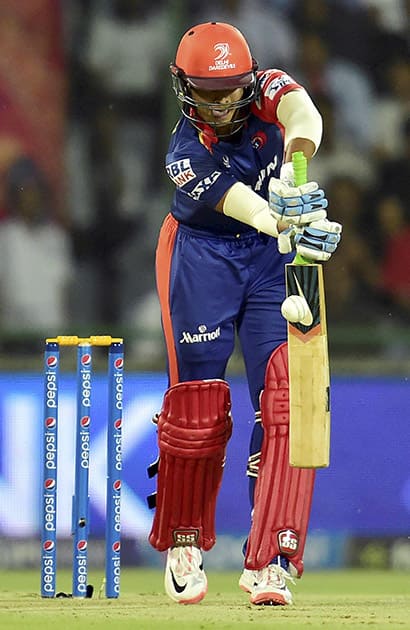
(299, 117)
(243, 204)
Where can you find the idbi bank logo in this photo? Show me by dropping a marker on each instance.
(202, 336)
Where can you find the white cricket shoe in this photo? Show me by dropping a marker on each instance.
(185, 579)
(271, 588)
(248, 580)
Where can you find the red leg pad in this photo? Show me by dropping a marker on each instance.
(283, 494)
(194, 427)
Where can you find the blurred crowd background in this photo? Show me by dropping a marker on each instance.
(86, 112)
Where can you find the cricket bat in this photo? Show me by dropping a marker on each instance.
(309, 378)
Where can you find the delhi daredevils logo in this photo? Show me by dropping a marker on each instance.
(50, 484)
(86, 359)
(52, 361)
(259, 139)
(50, 423)
(119, 364)
(116, 546)
(82, 545)
(48, 545)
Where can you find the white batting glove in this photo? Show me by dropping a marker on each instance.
(315, 242)
(287, 174)
(296, 205)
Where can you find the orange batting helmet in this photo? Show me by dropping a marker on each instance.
(213, 56)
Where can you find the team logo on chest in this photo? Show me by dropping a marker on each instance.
(259, 139)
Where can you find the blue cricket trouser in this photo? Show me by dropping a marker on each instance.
(211, 287)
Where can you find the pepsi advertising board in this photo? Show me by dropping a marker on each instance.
(364, 492)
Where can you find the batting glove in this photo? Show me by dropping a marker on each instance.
(296, 205)
(315, 242)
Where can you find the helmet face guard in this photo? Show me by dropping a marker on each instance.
(189, 105)
(214, 57)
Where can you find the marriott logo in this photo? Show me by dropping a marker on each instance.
(201, 336)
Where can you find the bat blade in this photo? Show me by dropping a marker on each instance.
(309, 378)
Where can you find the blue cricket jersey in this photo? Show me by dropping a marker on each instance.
(203, 169)
(216, 276)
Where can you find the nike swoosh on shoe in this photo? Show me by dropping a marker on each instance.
(177, 587)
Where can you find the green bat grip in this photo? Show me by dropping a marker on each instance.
(299, 162)
(299, 168)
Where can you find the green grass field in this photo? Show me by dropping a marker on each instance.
(334, 600)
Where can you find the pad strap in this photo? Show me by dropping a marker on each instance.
(194, 427)
(283, 494)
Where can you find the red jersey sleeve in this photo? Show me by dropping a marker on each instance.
(273, 84)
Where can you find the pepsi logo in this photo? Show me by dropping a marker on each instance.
(118, 423)
(52, 361)
(82, 545)
(50, 484)
(86, 359)
(48, 545)
(117, 485)
(116, 546)
(119, 364)
(85, 421)
(50, 422)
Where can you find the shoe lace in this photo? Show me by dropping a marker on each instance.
(276, 575)
(186, 560)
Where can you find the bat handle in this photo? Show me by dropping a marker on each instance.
(299, 162)
(301, 260)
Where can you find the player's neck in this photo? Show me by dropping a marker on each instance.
(230, 133)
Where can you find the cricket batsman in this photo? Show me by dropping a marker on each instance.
(235, 220)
